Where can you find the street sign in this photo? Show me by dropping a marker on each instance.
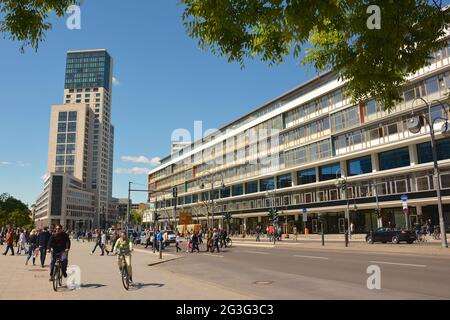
(404, 198)
(405, 205)
(305, 216)
(305, 210)
(405, 210)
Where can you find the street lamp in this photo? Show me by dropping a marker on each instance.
(341, 184)
(414, 125)
(273, 212)
(212, 180)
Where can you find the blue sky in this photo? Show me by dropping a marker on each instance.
(165, 82)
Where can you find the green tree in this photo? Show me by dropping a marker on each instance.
(327, 34)
(27, 20)
(227, 216)
(14, 212)
(136, 217)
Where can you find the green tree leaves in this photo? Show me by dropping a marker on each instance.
(14, 212)
(27, 20)
(329, 35)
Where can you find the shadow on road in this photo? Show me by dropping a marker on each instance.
(93, 285)
(138, 285)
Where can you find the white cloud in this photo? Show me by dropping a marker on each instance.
(135, 170)
(22, 164)
(142, 159)
(5, 163)
(115, 81)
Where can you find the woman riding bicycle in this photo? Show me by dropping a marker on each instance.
(124, 247)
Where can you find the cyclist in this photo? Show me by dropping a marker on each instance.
(59, 245)
(124, 247)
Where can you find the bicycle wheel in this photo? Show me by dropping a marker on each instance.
(55, 277)
(229, 242)
(125, 278)
(60, 276)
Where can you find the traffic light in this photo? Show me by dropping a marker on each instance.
(175, 192)
(273, 214)
(321, 218)
(378, 212)
(156, 216)
(344, 185)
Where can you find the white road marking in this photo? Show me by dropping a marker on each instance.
(400, 264)
(256, 252)
(312, 257)
(242, 244)
(212, 255)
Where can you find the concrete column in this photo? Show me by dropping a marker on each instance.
(413, 155)
(259, 219)
(317, 174)
(294, 178)
(343, 165)
(419, 210)
(375, 166)
(295, 217)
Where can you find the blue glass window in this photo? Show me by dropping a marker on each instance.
(188, 199)
(195, 198)
(266, 184)
(205, 196)
(284, 181)
(61, 138)
(359, 166)
(251, 187)
(442, 149)
(62, 116)
(71, 138)
(60, 148)
(306, 176)
(73, 116)
(225, 192)
(72, 127)
(70, 149)
(329, 172)
(62, 127)
(394, 159)
(238, 190)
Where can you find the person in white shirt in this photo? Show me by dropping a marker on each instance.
(104, 244)
(21, 243)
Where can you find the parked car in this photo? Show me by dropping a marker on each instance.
(143, 238)
(171, 236)
(385, 235)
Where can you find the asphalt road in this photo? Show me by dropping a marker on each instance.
(293, 272)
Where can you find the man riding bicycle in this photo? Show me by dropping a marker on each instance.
(124, 247)
(59, 245)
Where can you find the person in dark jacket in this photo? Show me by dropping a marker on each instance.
(195, 243)
(42, 242)
(9, 241)
(32, 241)
(59, 245)
(98, 242)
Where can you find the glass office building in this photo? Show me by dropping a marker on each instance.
(289, 152)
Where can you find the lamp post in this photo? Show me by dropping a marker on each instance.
(212, 180)
(341, 184)
(414, 125)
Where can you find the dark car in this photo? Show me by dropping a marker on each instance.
(385, 235)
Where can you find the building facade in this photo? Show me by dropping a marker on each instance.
(81, 139)
(289, 153)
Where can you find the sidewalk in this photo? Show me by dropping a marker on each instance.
(101, 280)
(337, 243)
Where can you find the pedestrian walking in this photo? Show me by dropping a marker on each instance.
(147, 238)
(295, 233)
(21, 243)
(215, 241)
(258, 231)
(42, 243)
(32, 248)
(9, 239)
(195, 243)
(98, 241)
(177, 242)
(209, 243)
(103, 244)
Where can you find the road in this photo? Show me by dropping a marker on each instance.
(296, 272)
(245, 271)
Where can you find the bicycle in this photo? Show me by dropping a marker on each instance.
(421, 238)
(228, 242)
(436, 233)
(57, 273)
(124, 273)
